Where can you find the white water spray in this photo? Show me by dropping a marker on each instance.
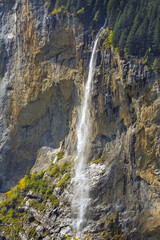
(81, 194)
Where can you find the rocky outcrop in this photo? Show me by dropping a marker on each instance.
(126, 137)
(41, 63)
(42, 75)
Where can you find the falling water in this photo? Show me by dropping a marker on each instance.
(81, 199)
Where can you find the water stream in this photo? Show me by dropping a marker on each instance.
(81, 191)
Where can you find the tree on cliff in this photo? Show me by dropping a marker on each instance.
(135, 23)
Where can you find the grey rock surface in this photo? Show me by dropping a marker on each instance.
(42, 74)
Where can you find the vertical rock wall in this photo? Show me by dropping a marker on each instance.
(43, 68)
(126, 127)
(40, 67)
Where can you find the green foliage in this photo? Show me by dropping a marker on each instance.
(66, 166)
(54, 171)
(34, 182)
(98, 161)
(113, 231)
(135, 30)
(54, 200)
(12, 197)
(135, 23)
(60, 154)
(64, 180)
(49, 191)
(156, 65)
(32, 233)
(58, 10)
(39, 206)
(80, 11)
(11, 220)
(57, 170)
(8, 213)
(78, 236)
(96, 16)
(108, 41)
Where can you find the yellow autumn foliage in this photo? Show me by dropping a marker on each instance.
(78, 236)
(55, 11)
(8, 194)
(22, 184)
(108, 41)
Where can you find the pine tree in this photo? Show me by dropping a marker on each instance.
(135, 23)
(156, 38)
(121, 43)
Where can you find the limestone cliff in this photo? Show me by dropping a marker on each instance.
(40, 65)
(126, 99)
(44, 65)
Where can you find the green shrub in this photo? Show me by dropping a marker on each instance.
(54, 200)
(34, 182)
(58, 10)
(98, 161)
(108, 41)
(11, 220)
(11, 198)
(66, 166)
(49, 191)
(64, 180)
(114, 231)
(80, 11)
(54, 171)
(57, 170)
(156, 65)
(135, 24)
(39, 206)
(37, 183)
(60, 154)
(32, 233)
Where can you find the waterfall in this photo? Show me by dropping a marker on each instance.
(81, 191)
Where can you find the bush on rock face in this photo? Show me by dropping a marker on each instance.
(135, 24)
(79, 236)
(39, 190)
(156, 65)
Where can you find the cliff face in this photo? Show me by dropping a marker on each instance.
(40, 65)
(44, 65)
(126, 100)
